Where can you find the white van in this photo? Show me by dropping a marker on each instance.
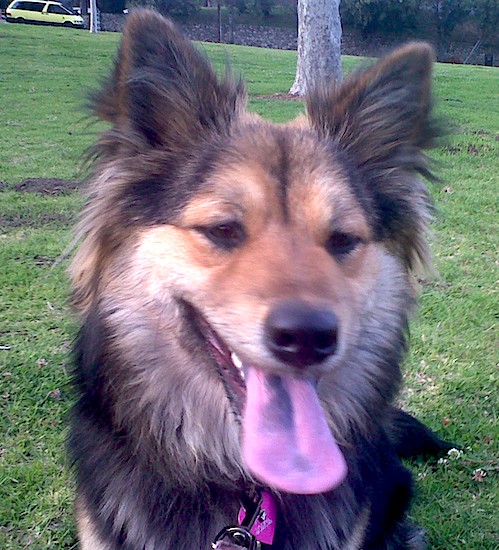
(42, 12)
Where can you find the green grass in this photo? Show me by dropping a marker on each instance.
(452, 375)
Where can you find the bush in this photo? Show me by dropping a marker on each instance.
(257, 7)
(447, 15)
(111, 6)
(265, 6)
(241, 6)
(380, 16)
(486, 16)
(182, 8)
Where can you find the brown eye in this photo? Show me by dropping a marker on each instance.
(227, 235)
(340, 245)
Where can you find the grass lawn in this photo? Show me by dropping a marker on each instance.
(452, 376)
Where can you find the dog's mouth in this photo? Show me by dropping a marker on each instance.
(229, 365)
(286, 440)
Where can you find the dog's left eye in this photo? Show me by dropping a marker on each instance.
(341, 244)
(227, 235)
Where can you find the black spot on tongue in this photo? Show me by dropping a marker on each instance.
(287, 443)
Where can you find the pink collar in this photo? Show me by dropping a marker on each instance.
(256, 524)
(263, 521)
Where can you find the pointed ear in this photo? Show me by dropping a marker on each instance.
(163, 91)
(380, 118)
(381, 113)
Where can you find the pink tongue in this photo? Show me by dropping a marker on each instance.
(287, 443)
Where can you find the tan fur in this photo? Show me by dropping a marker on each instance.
(358, 535)
(178, 258)
(89, 540)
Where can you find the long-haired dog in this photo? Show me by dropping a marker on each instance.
(244, 290)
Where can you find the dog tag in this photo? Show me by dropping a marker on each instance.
(235, 538)
(260, 517)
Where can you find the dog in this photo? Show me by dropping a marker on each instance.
(244, 290)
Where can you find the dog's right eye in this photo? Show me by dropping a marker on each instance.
(227, 235)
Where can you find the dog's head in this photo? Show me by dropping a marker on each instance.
(272, 260)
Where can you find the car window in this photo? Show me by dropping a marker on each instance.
(53, 8)
(31, 6)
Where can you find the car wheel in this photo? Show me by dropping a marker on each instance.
(67, 24)
(20, 20)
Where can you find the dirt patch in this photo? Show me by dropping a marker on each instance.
(472, 149)
(47, 186)
(282, 97)
(42, 261)
(44, 219)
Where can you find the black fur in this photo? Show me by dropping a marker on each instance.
(154, 436)
(412, 438)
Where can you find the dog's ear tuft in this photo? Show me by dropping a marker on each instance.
(163, 91)
(380, 117)
(380, 112)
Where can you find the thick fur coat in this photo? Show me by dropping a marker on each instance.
(244, 290)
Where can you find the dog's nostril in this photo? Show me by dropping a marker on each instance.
(325, 341)
(301, 335)
(284, 339)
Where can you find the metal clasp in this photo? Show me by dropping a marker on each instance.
(238, 536)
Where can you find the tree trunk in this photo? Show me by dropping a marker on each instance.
(93, 16)
(319, 44)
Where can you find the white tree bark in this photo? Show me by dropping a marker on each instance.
(319, 44)
(93, 16)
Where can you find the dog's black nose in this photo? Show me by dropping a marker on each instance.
(300, 334)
